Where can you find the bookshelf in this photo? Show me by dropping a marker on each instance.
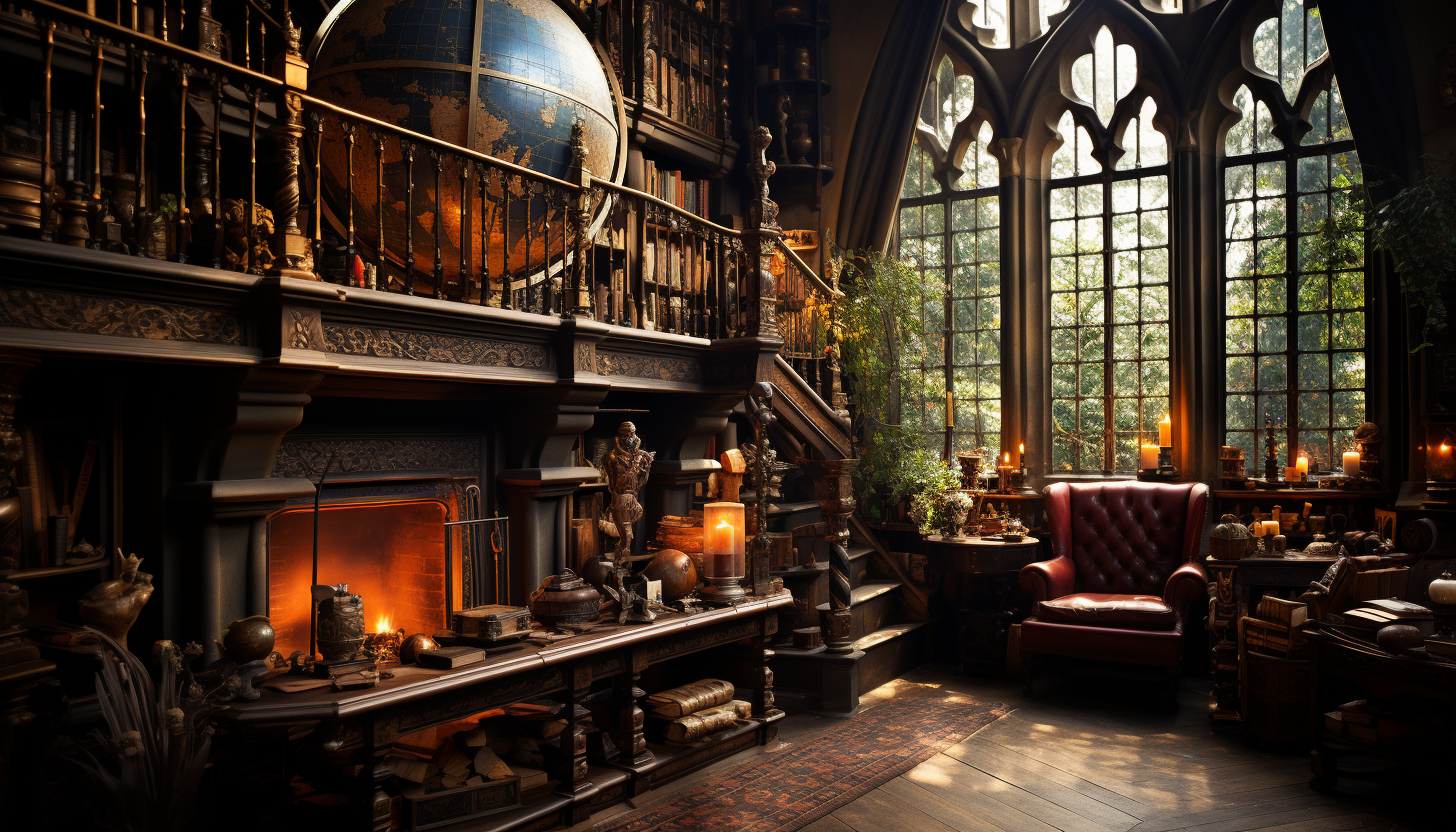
(789, 90)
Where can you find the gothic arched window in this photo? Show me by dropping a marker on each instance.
(949, 226)
(1109, 267)
(1294, 252)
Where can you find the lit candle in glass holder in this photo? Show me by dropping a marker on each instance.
(1351, 464)
(1165, 432)
(1148, 457)
(723, 550)
(1301, 467)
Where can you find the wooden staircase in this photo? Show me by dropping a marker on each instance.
(887, 634)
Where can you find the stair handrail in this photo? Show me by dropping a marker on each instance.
(917, 598)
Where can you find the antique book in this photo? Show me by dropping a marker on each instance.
(1292, 613)
(448, 657)
(681, 701)
(698, 725)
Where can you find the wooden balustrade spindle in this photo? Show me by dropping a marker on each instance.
(408, 148)
(438, 161)
(252, 215)
(351, 244)
(96, 64)
(381, 254)
(48, 161)
(184, 213)
(316, 127)
(215, 192)
(143, 60)
(464, 278)
(531, 304)
(486, 223)
(506, 289)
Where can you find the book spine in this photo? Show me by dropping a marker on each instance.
(83, 483)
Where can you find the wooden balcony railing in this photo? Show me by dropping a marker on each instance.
(155, 132)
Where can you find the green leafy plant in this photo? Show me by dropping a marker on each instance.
(1416, 226)
(878, 328)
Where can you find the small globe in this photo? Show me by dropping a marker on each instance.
(414, 63)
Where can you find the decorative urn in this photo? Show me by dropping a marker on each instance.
(1443, 602)
(565, 600)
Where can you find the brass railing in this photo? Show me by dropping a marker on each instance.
(156, 133)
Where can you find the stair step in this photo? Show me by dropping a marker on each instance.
(892, 651)
(817, 680)
(871, 605)
(775, 509)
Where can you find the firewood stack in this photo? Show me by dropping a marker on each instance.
(687, 714)
(515, 741)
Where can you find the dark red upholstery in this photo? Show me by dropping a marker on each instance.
(1117, 539)
(1099, 609)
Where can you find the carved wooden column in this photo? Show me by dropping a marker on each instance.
(759, 239)
(573, 774)
(834, 487)
(295, 251)
(630, 739)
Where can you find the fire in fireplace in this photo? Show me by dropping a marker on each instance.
(393, 553)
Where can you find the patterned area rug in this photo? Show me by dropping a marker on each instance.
(790, 789)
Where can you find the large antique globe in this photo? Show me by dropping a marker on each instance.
(511, 87)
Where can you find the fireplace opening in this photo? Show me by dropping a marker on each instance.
(394, 554)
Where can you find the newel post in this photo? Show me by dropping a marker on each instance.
(295, 251)
(834, 488)
(759, 238)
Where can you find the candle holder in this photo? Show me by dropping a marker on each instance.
(723, 553)
(1166, 470)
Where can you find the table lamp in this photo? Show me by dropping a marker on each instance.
(723, 548)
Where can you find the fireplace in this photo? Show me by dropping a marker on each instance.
(394, 553)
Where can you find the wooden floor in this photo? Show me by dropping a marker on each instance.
(1096, 755)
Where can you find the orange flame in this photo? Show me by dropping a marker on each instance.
(383, 625)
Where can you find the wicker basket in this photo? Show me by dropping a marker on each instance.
(1230, 540)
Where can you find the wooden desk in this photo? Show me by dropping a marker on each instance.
(1346, 668)
(418, 698)
(1237, 586)
(984, 593)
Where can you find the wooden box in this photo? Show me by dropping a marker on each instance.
(492, 622)
(427, 810)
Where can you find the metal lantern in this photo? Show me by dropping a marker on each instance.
(723, 551)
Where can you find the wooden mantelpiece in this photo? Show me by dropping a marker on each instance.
(418, 698)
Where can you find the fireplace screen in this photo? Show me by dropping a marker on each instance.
(394, 554)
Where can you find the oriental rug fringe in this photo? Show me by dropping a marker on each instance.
(786, 790)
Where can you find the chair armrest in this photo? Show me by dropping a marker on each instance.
(1049, 579)
(1187, 582)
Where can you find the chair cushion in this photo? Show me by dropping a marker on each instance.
(1100, 609)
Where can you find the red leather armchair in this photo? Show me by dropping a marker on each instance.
(1124, 574)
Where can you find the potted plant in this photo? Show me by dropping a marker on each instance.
(878, 329)
(942, 507)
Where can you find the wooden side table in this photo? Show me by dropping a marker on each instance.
(983, 591)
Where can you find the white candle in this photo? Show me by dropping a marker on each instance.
(1352, 463)
(1148, 457)
(1271, 527)
(1301, 465)
(1165, 432)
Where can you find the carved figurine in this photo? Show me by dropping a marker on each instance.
(112, 607)
(239, 236)
(627, 467)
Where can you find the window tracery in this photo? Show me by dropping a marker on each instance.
(1295, 287)
(1108, 229)
(949, 225)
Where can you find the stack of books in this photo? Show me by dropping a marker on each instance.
(1366, 619)
(1274, 629)
(686, 714)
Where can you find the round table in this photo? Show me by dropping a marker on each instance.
(984, 595)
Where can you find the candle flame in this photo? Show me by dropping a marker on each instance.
(1167, 420)
(1021, 449)
(383, 624)
(1007, 458)
(724, 524)
(1445, 449)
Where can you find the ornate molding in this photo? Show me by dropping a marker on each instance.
(306, 457)
(811, 410)
(349, 339)
(63, 312)
(585, 358)
(654, 367)
(305, 329)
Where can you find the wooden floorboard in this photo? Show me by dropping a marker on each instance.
(1092, 758)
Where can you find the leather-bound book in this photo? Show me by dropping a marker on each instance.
(681, 701)
(696, 726)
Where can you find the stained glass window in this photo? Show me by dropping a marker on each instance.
(1109, 274)
(1294, 259)
(952, 233)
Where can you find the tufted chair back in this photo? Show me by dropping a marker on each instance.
(1126, 538)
